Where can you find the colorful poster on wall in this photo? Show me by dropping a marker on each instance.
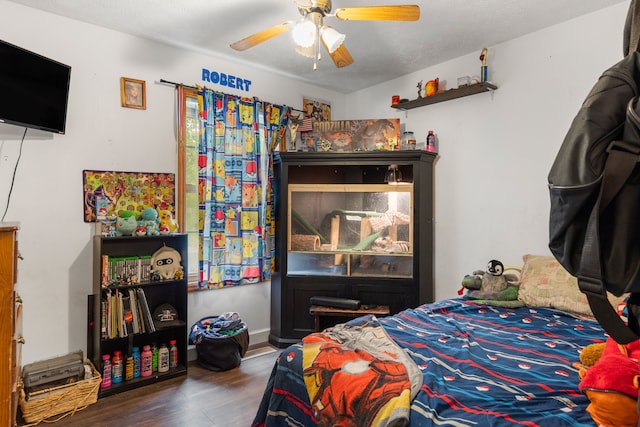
(355, 135)
(113, 192)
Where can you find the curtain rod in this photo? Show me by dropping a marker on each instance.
(177, 84)
(167, 82)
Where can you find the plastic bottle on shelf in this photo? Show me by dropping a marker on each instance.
(154, 357)
(106, 371)
(431, 142)
(173, 354)
(408, 141)
(145, 359)
(135, 353)
(116, 367)
(128, 368)
(163, 358)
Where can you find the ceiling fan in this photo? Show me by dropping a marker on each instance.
(310, 31)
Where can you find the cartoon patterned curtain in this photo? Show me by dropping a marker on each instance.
(237, 233)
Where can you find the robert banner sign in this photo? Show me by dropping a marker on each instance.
(223, 79)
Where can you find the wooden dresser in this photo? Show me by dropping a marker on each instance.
(10, 324)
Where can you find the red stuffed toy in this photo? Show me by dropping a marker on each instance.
(611, 385)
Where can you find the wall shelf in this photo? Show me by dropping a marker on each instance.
(446, 96)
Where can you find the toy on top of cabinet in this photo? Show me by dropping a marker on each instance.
(151, 222)
(167, 222)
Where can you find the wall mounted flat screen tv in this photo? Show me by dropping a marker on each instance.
(34, 90)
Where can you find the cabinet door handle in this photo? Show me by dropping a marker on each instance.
(18, 299)
(21, 340)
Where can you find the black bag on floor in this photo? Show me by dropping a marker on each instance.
(221, 341)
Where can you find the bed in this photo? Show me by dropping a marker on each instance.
(478, 364)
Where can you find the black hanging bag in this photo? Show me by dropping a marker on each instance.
(594, 184)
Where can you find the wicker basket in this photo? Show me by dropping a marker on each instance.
(55, 403)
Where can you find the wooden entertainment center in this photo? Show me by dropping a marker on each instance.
(345, 231)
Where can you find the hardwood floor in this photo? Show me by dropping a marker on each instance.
(202, 398)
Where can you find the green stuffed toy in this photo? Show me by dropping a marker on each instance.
(493, 286)
(126, 223)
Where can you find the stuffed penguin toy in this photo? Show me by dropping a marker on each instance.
(492, 285)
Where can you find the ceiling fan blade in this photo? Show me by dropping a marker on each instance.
(262, 36)
(409, 12)
(341, 56)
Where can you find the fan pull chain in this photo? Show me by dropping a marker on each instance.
(317, 57)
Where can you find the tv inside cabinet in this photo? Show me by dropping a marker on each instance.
(345, 229)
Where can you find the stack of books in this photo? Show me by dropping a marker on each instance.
(125, 312)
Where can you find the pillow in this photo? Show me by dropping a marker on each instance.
(545, 283)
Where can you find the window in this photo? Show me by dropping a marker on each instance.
(188, 180)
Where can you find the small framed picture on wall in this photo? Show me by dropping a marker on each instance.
(133, 93)
(317, 110)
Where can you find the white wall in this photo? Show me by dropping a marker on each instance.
(491, 198)
(55, 276)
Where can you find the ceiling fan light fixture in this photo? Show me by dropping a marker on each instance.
(304, 33)
(307, 52)
(332, 38)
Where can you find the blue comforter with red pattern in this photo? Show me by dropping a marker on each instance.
(481, 365)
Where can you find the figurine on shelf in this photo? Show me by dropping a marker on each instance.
(167, 220)
(151, 221)
(293, 132)
(164, 229)
(484, 54)
(141, 230)
(419, 86)
(126, 223)
(432, 87)
(166, 262)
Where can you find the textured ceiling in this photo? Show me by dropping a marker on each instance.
(382, 50)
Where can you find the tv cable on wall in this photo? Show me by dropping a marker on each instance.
(13, 177)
